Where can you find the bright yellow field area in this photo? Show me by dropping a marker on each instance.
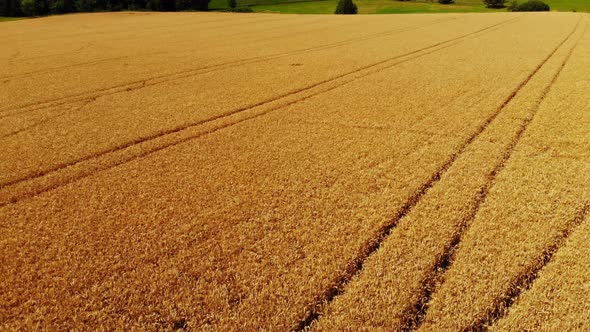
(245, 172)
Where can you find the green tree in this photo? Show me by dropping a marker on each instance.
(512, 6)
(62, 6)
(183, 4)
(116, 5)
(153, 5)
(10, 8)
(85, 5)
(167, 5)
(35, 7)
(137, 4)
(232, 3)
(532, 6)
(28, 7)
(494, 3)
(346, 7)
(202, 5)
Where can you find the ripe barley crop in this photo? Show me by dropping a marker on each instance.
(212, 171)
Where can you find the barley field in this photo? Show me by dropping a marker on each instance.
(245, 172)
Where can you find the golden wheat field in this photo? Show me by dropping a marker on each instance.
(246, 172)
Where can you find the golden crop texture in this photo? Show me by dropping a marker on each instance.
(244, 172)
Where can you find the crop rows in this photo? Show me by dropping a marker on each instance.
(365, 70)
(389, 173)
(433, 230)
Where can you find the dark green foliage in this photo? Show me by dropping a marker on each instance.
(242, 10)
(512, 6)
(239, 10)
(41, 7)
(85, 5)
(153, 5)
(35, 7)
(529, 6)
(10, 8)
(116, 5)
(136, 4)
(100, 5)
(346, 7)
(44, 7)
(445, 2)
(167, 5)
(62, 6)
(202, 5)
(494, 3)
(232, 3)
(183, 4)
(28, 7)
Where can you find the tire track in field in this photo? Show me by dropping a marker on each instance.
(230, 18)
(356, 266)
(94, 62)
(88, 100)
(86, 63)
(46, 120)
(8, 78)
(164, 78)
(369, 70)
(525, 281)
(447, 258)
(222, 66)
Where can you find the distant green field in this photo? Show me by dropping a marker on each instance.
(386, 6)
(569, 5)
(4, 19)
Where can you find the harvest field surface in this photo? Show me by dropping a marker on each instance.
(226, 172)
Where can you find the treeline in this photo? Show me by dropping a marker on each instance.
(45, 7)
(514, 6)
